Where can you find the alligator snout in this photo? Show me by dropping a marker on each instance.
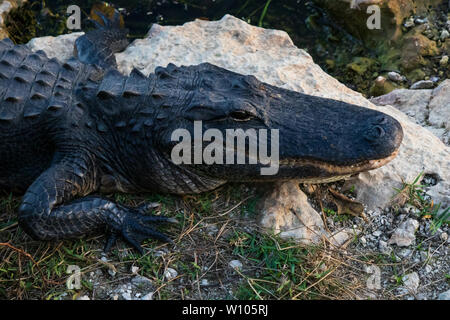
(384, 130)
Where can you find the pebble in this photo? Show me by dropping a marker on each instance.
(126, 296)
(384, 247)
(204, 282)
(444, 236)
(422, 84)
(411, 282)
(444, 295)
(170, 273)
(409, 23)
(444, 35)
(83, 298)
(394, 76)
(134, 269)
(148, 296)
(140, 281)
(428, 268)
(235, 264)
(444, 61)
(404, 236)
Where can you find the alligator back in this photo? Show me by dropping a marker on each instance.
(35, 93)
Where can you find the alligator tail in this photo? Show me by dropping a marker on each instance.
(97, 47)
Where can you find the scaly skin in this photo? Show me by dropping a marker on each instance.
(69, 130)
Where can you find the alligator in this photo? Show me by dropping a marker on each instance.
(73, 132)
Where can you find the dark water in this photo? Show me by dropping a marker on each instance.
(41, 18)
(308, 26)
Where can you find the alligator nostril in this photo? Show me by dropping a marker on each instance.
(374, 133)
(380, 120)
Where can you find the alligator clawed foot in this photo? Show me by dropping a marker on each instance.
(137, 227)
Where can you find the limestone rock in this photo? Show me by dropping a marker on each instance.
(413, 103)
(60, 47)
(440, 106)
(404, 236)
(444, 295)
(411, 282)
(422, 84)
(286, 211)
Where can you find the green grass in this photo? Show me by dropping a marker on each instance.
(414, 194)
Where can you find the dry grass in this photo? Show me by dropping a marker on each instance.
(215, 228)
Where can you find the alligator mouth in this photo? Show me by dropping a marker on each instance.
(332, 172)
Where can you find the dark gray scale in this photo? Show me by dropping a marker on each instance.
(15, 96)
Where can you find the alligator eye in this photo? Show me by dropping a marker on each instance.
(241, 115)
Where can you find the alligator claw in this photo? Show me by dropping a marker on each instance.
(136, 227)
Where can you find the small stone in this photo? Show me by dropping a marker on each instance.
(140, 281)
(204, 282)
(404, 236)
(112, 272)
(444, 236)
(115, 297)
(170, 273)
(422, 84)
(394, 76)
(421, 21)
(148, 296)
(126, 296)
(235, 264)
(363, 241)
(444, 35)
(444, 295)
(384, 247)
(409, 23)
(134, 269)
(444, 61)
(405, 253)
(377, 233)
(428, 268)
(411, 282)
(83, 298)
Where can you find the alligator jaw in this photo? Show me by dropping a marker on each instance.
(339, 171)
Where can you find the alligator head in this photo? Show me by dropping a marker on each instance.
(319, 140)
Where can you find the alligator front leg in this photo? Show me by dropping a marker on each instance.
(49, 211)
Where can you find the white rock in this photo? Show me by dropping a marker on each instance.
(394, 76)
(60, 47)
(404, 236)
(148, 296)
(422, 84)
(141, 281)
(444, 295)
(84, 298)
(444, 61)
(286, 211)
(440, 106)
(126, 296)
(384, 247)
(271, 56)
(134, 269)
(341, 237)
(235, 264)
(170, 273)
(5, 6)
(411, 282)
(444, 236)
(412, 102)
(444, 34)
